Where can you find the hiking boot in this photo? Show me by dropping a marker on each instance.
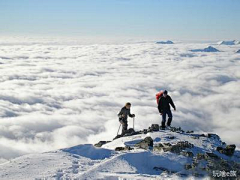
(168, 127)
(162, 127)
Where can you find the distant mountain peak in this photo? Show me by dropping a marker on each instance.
(234, 42)
(165, 42)
(208, 49)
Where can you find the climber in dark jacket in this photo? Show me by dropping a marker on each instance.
(123, 115)
(164, 108)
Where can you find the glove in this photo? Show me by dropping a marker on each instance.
(133, 115)
(121, 121)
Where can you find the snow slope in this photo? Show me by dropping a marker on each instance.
(89, 162)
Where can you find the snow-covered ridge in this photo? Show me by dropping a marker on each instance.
(146, 154)
(234, 42)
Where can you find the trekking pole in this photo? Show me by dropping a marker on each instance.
(133, 122)
(119, 128)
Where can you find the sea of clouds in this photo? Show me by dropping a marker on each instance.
(54, 95)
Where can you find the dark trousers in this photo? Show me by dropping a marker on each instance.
(124, 125)
(164, 114)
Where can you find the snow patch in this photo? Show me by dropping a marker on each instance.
(89, 151)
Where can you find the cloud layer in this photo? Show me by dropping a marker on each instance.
(55, 96)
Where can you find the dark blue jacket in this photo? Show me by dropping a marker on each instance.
(164, 102)
(126, 113)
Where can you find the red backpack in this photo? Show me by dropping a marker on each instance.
(159, 95)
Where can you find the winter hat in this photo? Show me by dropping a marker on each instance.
(165, 92)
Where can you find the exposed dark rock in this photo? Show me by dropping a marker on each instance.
(190, 132)
(167, 144)
(219, 148)
(153, 127)
(229, 150)
(144, 131)
(126, 148)
(177, 148)
(130, 132)
(187, 153)
(119, 148)
(203, 135)
(145, 143)
(200, 156)
(188, 166)
(185, 144)
(238, 51)
(178, 130)
(158, 147)
(100, 143)
(214, 136)
(211, 156)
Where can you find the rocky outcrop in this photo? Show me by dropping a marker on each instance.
(187, 166)
(153, 127)
(129, 132)
(198, 164)
(100, 143)
(174, 148)
(170, 137)
(229, 150)
(187, 153)
(145, 143)
(144, 131)
(177, 129)
(214, 136)
(126, 148)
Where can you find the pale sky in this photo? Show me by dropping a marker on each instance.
(160, 19)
